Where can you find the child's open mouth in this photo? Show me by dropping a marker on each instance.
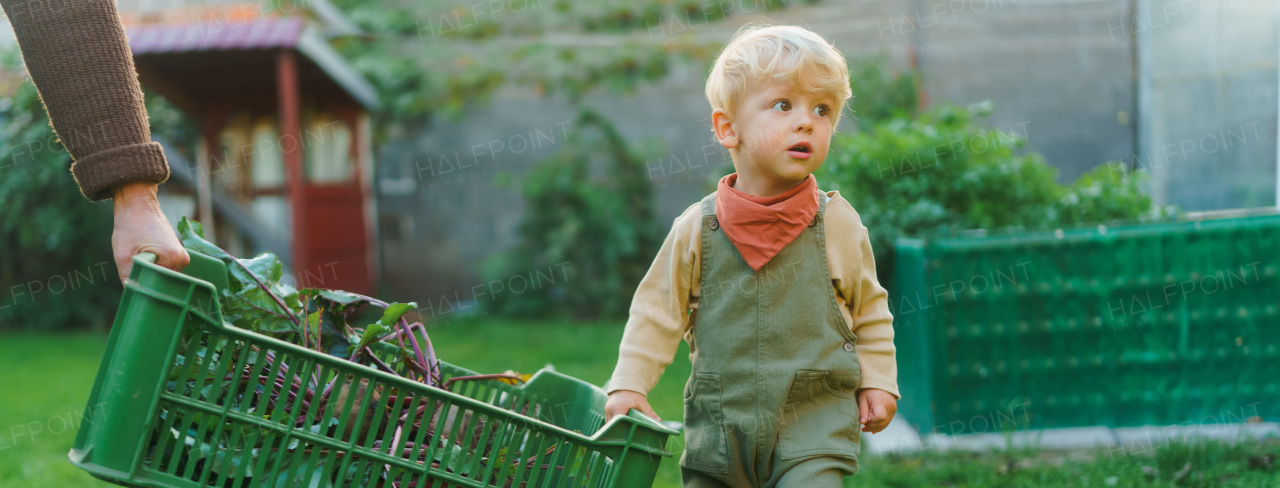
(800, 151)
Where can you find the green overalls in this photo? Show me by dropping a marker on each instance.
(772, 398)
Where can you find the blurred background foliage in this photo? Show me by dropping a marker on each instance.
(880, 94)
(908, 171)
(460, 55)
(943, 171)
(590, 205)
(913, 173)
(56, 245)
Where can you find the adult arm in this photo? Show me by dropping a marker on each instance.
(79, 60)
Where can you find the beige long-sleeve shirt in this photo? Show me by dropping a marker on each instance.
(664, 306)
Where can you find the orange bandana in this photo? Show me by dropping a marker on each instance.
(759, 227)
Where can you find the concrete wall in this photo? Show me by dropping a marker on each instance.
(443, 203)
(1209, 84)
(1053, 69)
(1061, 73)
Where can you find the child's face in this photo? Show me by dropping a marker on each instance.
(778, 135)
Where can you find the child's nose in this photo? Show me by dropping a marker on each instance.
(804, 122)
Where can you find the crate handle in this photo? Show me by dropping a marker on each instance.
(201, 270)
(635, 413)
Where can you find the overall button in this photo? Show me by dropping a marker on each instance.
(715, 223)
(848, 347)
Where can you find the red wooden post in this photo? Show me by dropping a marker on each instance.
(291, 154)
(211, 124)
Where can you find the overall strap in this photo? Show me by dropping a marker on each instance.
(709, 204)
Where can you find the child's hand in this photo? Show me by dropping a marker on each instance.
(622, 401)
(875, 409)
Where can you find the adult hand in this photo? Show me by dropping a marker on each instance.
(140, 226)
(876, 409)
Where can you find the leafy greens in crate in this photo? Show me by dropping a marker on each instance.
(327, 403)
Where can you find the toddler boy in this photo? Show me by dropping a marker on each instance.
(772, 283)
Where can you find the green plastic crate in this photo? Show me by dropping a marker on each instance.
(1158, 324)
(145, 417)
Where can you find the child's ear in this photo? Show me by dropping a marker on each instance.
(725, 133)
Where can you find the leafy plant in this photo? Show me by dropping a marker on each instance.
(57, 271)
(943, 172)
(1109, 192)
(257, 300)
(272, 384)
(880, 94)
(439, 59)
(590, 206)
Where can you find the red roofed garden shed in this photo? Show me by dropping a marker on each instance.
(284, 162)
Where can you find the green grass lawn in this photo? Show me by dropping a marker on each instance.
(58, 371)
(44, 386)
(1192, 464)
(45, 380)
(584, 351)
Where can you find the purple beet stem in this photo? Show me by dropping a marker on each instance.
(417, 350)
(404, 325)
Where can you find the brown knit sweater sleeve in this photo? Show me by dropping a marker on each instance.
(79, 59)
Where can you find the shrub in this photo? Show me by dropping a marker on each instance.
(880, 94)
(944, 172)
(599, 229)
(57, 271)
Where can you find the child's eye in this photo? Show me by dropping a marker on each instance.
(821, 110)
(782, 105)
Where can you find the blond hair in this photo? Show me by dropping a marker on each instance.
(785, 53)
